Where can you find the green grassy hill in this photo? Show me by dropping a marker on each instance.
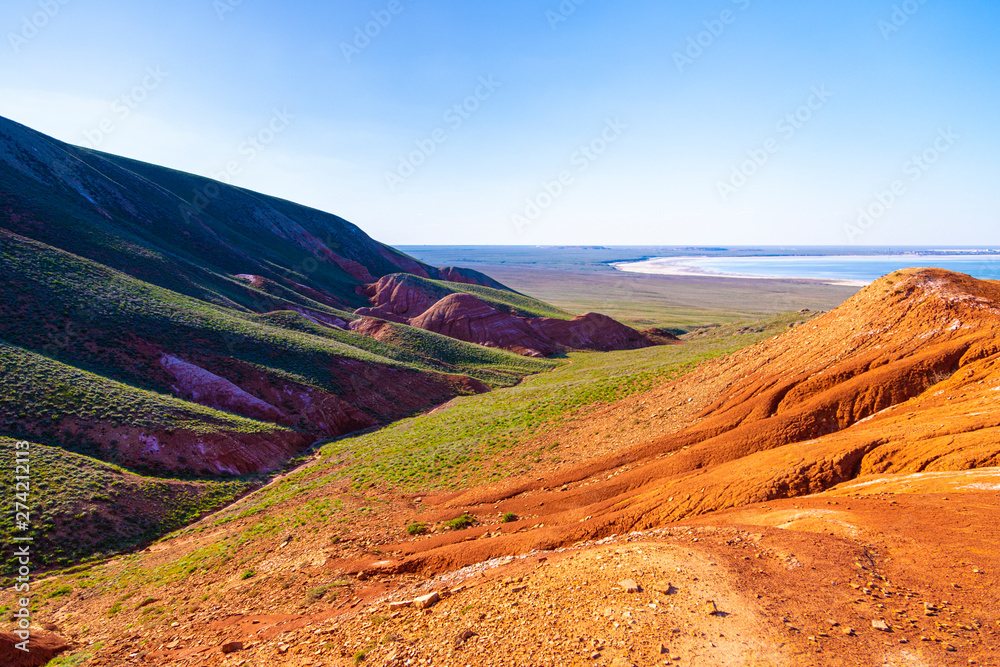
(83, 508)
(86, 313)
(44, 399)
(183, 232)
(171, 325)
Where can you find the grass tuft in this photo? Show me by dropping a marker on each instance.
(461, 522)
(416, 528)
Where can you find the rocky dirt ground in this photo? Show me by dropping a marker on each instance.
(885, 571)
(825, 498)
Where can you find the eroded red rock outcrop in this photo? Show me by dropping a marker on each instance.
(196, 384)
(289, 416)
(377, 328)
(42, 647)
(188, 451)
(397, 298)
(592, 331)
(465, 317)
(370, 394)
(457, 274)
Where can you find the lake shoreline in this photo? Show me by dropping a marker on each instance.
(673, 266)
(853, 270)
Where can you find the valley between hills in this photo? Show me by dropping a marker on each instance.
(260, 437)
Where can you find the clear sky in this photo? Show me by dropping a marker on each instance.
(578, 122)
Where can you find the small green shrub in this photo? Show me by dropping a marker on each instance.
(59, 592)
(416, 528)
(461, 522)
(314, 595)
(75, 659)
(508, 517)
(248, 574)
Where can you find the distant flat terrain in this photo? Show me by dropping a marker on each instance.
(581, 279)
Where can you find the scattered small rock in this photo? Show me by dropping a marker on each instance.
(426, 601)
(664, 587)
(464, 636)
(848, 631)
(881, 626)
(629, 586)
(710, 608)
(232, 647)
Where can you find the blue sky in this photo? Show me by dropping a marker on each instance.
(718, 122)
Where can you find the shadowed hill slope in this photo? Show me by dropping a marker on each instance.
(187, 233)
(179, 285)
(281, 367)
(82, 507)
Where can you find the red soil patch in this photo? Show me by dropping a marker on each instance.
(42, 647)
